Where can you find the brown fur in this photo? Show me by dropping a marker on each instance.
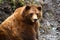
(18, 27)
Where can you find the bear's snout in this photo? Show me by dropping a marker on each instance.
(34, 18)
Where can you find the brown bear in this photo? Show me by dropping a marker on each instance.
(22, 24)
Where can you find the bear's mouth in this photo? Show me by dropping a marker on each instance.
(34, 20)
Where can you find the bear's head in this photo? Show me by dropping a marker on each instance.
(32, 13)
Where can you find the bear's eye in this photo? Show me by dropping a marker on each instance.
(31, 14)
(37, 14)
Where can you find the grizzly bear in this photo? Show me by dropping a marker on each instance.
(22, 24)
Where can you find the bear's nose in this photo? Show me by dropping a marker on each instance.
(35, 20)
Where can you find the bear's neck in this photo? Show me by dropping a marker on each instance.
(21, 19)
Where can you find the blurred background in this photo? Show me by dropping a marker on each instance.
(50, 24)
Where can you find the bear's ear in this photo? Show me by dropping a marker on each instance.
(39, 8)
(27, 7)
